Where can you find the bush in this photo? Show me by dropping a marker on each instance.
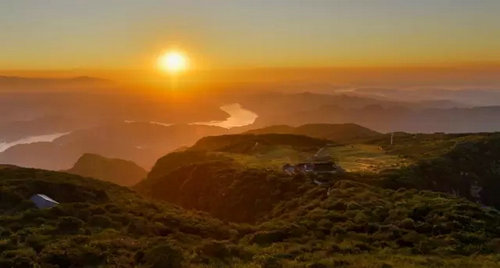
(338, 205)
(419, 213)
(37, 242)
(70, 224)
(407, 224)
(268, 237)
(215, 249)
(164, 256)
(19, 258)
(100, 221)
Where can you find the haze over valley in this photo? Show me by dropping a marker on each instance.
(250, 134)
(141, 128)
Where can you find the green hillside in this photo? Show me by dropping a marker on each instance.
(340, 133)
(255, 215)
(225, 189)
(291, 222)
(119, 171)
(357, 225)
(250, 143)
(97, 224)
(470, 169)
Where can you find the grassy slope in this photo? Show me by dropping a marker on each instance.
(473, 161)
(340, 133)
(97, 223)
(356, 225)
(299, 224)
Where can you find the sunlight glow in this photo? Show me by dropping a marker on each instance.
(173, 62)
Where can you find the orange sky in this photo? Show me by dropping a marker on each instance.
(130, 35)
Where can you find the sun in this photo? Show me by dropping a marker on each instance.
(173, 62)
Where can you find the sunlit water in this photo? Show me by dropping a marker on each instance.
(150, 122)
(31, 139)
(238, 117)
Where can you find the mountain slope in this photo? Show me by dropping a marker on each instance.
(249, 143)
(470, 169)
(121, 172)
(97, 224)
(349, 224)
(336, 132)
(224, 189)
(296, 223)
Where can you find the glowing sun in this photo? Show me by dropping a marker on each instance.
(173, 62)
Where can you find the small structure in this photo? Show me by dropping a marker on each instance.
(289, 169)
(304, 168)
(43, 201)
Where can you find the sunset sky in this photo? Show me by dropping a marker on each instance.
(131, 34)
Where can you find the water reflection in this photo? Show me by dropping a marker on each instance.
(238, 117)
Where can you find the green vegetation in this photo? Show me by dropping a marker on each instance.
(365, 158)
(416, 147)
(340, 133)
(400, 205)
(471, 169)
(358, 225)
(350, 224)
(250, 143)
(224, 189)
(96, 224)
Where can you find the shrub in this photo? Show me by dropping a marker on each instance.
(419, 213)
(215, 249)
(407, 224)
(37, 242)
(164, 256)
(268, 237)
(70, 224)
(19, 258)
(338, 205)
(100, 221)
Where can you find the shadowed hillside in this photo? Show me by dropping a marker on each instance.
(118, 171)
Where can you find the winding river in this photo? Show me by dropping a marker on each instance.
(238, 117)
(31, 139)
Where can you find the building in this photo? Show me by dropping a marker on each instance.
(43, 201)
(289, 169)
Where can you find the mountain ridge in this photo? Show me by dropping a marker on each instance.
(119, 171)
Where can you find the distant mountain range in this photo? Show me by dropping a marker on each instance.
(380, 115)
(142, 143)
(15, 82)
(96, 123)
